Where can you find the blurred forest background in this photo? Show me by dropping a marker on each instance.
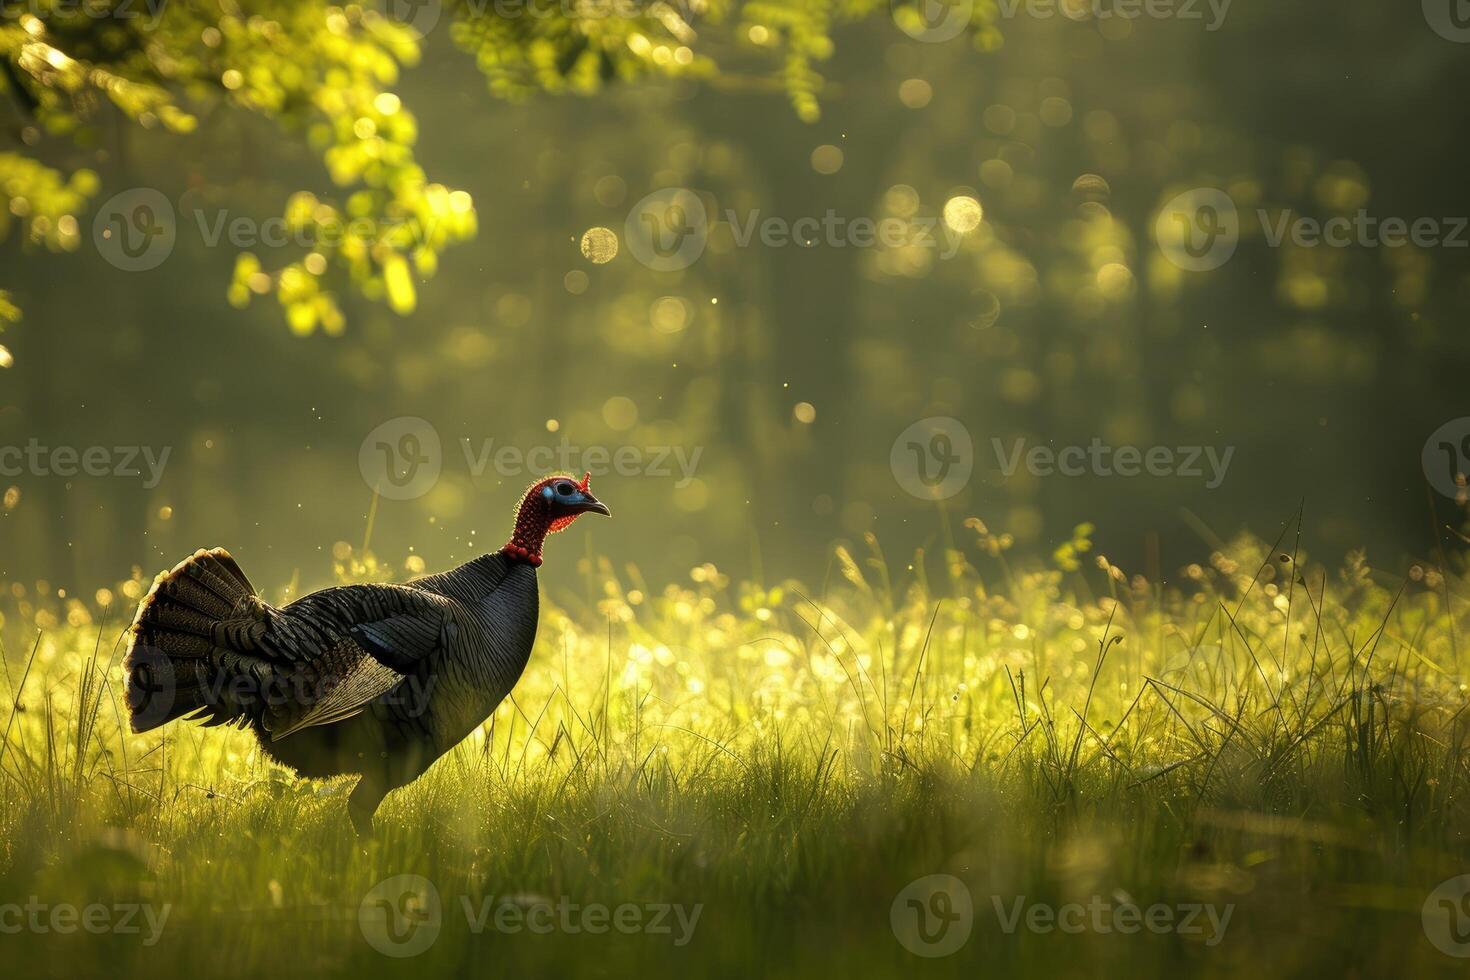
(794, 369)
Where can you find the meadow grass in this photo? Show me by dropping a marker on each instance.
(1261, 735)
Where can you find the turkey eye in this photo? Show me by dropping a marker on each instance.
(565, 489)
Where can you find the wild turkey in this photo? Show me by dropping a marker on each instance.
(379, 680)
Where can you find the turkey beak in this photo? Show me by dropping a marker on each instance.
(591, 505)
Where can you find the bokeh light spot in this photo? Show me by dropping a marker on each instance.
(963, 213)
(600, 245)
(915, 93)
(827, 159)
(620, 413)
(669, 314)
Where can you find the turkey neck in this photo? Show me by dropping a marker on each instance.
(532, 526)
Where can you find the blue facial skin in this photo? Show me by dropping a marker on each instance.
(568, 497)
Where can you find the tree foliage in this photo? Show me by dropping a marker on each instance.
(326, 74)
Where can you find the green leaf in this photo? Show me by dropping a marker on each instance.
(398, 281)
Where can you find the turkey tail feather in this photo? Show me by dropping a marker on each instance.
(195, 617)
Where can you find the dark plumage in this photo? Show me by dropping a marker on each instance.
(379, 680)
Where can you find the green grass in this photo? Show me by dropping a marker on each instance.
(1261, 734)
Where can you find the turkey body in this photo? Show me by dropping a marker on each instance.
(444, 696)
(378, 680)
